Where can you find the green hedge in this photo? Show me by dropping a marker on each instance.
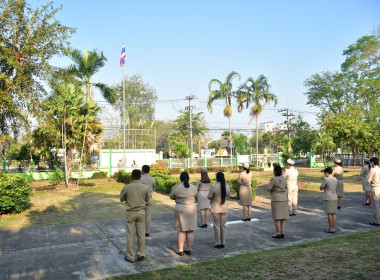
(165, 183)
(99, 175)
(235, 188)
(57, 177)
(14, 193)
(124, 177)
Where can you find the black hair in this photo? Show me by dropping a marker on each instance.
(246, 170)
(145, 168)
(277, 170)
(328, 170)
(136, 174)
(375, 160)
(184, 177)
(222, 181)
(338, 163)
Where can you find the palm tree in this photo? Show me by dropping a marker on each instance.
(84, 67)
(324, 142)
(223, 92)
(256, 92)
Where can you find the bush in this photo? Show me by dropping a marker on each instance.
(115, 175)
(165, 183)
(99, 175)
(235, 188)
(14, 193)
(159, 168)
(45, 188)
(124, 177)
(57, 177)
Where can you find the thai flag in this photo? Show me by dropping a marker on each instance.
(236, 151)
(122, 58)
(250, 151)
(187, 152)
(170, 152)
(3, 153)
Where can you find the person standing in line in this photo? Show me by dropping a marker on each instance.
(150, 182)
(366, 186)
(185, 212)
(330, 198)
(134, 165)
(135, 195)
(203, 186)
(291, 174)
(245, 179)
(219, 194)
(338, 174)
(374, 180)
(279, 201)
(120, 165)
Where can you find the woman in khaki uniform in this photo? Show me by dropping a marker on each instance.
(366, 186)
(203, 185)
(279, 201)
(219, 194)
(245, 179)
(338, 174)
(330, 198)
(185, 212)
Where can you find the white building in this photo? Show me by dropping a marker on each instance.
(272, 127)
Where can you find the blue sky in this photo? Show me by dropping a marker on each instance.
(178, 44)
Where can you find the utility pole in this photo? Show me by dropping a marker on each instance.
(190, 108)
(287, 115)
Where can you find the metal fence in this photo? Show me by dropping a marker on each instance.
(348, 159)
(25, 166)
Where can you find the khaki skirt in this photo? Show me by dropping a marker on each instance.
(280, 210)
(185, 217)
(203, 201)
(366, 185)
(331, 206)
(245, 195)
(339, 188)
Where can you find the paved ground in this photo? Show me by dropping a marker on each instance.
(94, 250)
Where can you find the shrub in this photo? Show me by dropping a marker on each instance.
(165, 183)
(57, 177)
(99, 175)
(14, 193)
(86, 184)
(159, 168)
(124, 177)
(45, 188)
(235, 188)
(115, 175)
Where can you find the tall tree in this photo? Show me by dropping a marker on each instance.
(256, 92)
(87, 65)
(29, 38)
(303, 135)
(224, 92)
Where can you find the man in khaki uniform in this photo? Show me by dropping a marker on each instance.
(150, 182)
(291, 174)
(120, 165)
(135, 195)
(374, 180)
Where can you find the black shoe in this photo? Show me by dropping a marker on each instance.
(294, 214)
(203, 226)
(222, 246)
(248, 219)
(290, 214)
(180, 253)
(187, 252)
(282, 236)
(128, 260)
(147, 234)
(367, 203)
(278, 236)
(245, 220)
(328, 231)
(339, 207)
(218, 246)
(140, 259)
(374, 224)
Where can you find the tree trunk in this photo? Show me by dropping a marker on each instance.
(88, 92)
(81, 154)
(69, 159)
(229, 125)
(64, 153)
(353, 155)
(257, 143)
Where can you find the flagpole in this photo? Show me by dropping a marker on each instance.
(123, 67)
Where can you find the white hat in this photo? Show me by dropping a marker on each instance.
(367, 160)
(246, 165)
(203, 169)
(337, 160)
(291, 162)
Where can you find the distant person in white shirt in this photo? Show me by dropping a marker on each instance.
(291, 174)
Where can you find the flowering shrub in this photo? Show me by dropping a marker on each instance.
(159, 168)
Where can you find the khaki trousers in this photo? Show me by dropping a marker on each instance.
(135, 221)
(375, 201)
(220, 220)
(148, 217)
(292, 199)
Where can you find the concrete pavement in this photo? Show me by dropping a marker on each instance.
(95, 250)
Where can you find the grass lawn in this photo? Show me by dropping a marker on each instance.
(353, 256)
(87, 204)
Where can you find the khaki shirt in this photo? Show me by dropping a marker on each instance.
(150, 182)
(120, 165)
(365, 171)
(202, 186)
(329, 186)
(278, 188)
(215, 194)
(291, 174)
(374, 176)
(135, 195)
(338, 172)
(183, 195)
(245, 179)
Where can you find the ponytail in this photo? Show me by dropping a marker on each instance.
(247, 170)
(222, 181)
(369, 165)
(185, 179)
